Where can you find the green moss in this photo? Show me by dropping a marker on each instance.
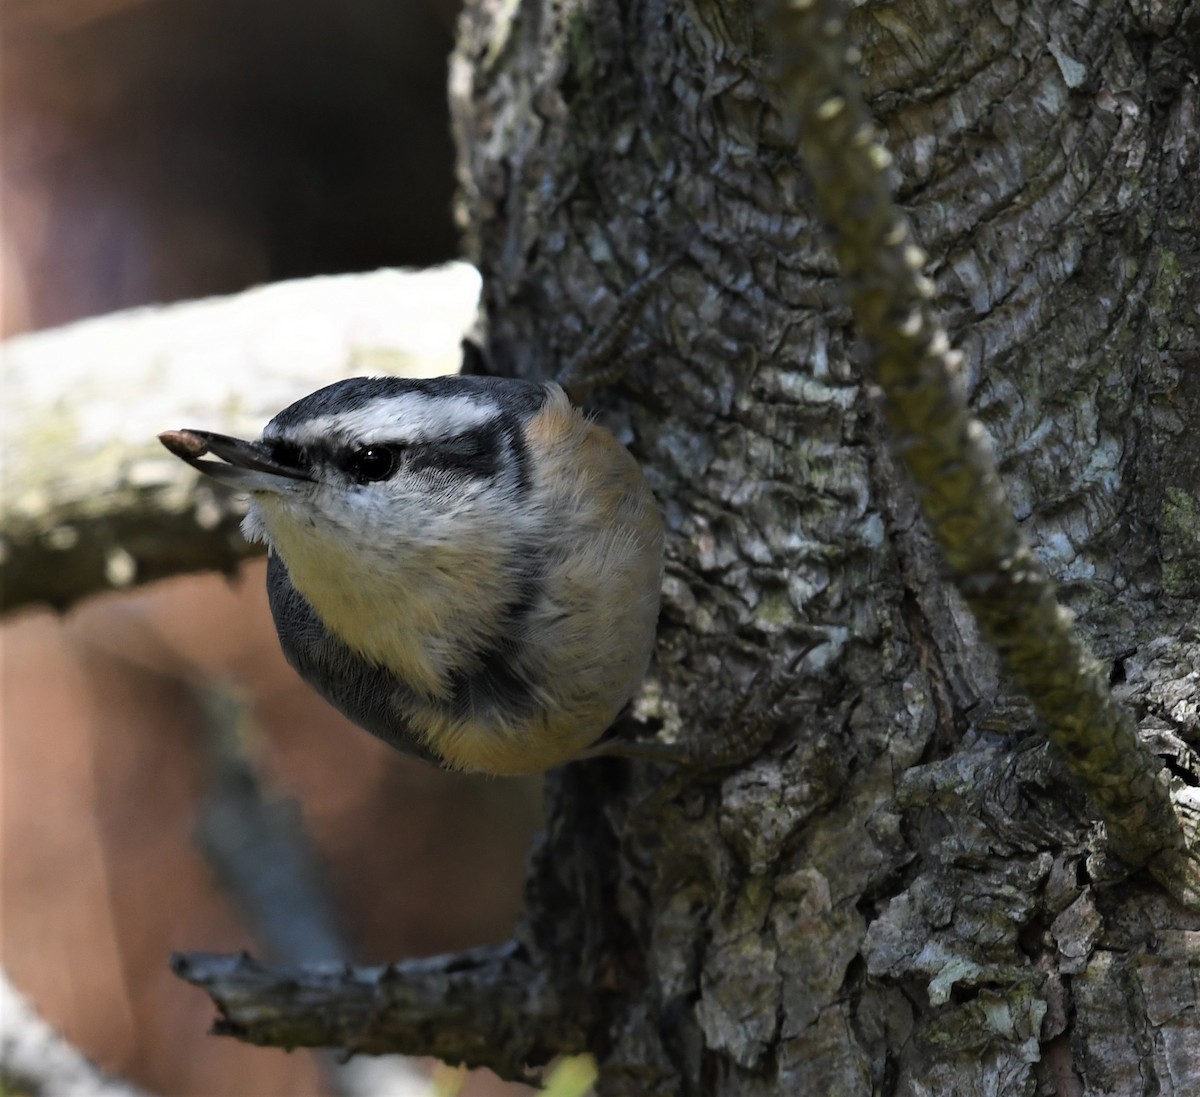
(775, 611)
(1180, 525)
(580, 50)
(1179, 511)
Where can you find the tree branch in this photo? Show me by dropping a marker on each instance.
(258, 846)
(946, 450)
(36, 1060)
(263, 857)
(485, 1008)
(89, 500)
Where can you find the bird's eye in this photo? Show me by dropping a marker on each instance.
(372, 463)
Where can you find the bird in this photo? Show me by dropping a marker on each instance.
(466, 566)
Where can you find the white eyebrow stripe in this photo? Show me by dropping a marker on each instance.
(409, 417)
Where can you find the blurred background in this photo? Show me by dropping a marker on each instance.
(155, 151)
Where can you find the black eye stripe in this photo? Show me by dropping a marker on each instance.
(520, 453)
(288, 453)
(475, 453)
(483, 452)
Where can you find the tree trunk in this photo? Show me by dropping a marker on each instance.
(878, 877)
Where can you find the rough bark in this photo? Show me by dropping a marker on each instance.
(882, 879)
(945, 452)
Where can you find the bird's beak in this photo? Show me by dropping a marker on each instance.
(247, 466)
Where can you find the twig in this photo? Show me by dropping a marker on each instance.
(259, 848)
(36, 1060)
(597, 362)
(263, 856)
(484, 1008)
(946, 452)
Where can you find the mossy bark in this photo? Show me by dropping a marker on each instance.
(878, 878)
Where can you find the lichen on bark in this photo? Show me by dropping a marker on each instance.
(869, 751)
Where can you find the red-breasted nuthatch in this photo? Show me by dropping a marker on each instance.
(464, 566)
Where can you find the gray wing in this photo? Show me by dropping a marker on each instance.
(369, 695)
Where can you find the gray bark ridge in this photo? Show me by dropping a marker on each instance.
(889, 883)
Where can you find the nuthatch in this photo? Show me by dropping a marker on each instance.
(464, 566)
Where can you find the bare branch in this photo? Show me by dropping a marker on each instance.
(36, 1060)
(947, 453)
(484, 1008)
(264, 858)
(259, 848)
(90, 501)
